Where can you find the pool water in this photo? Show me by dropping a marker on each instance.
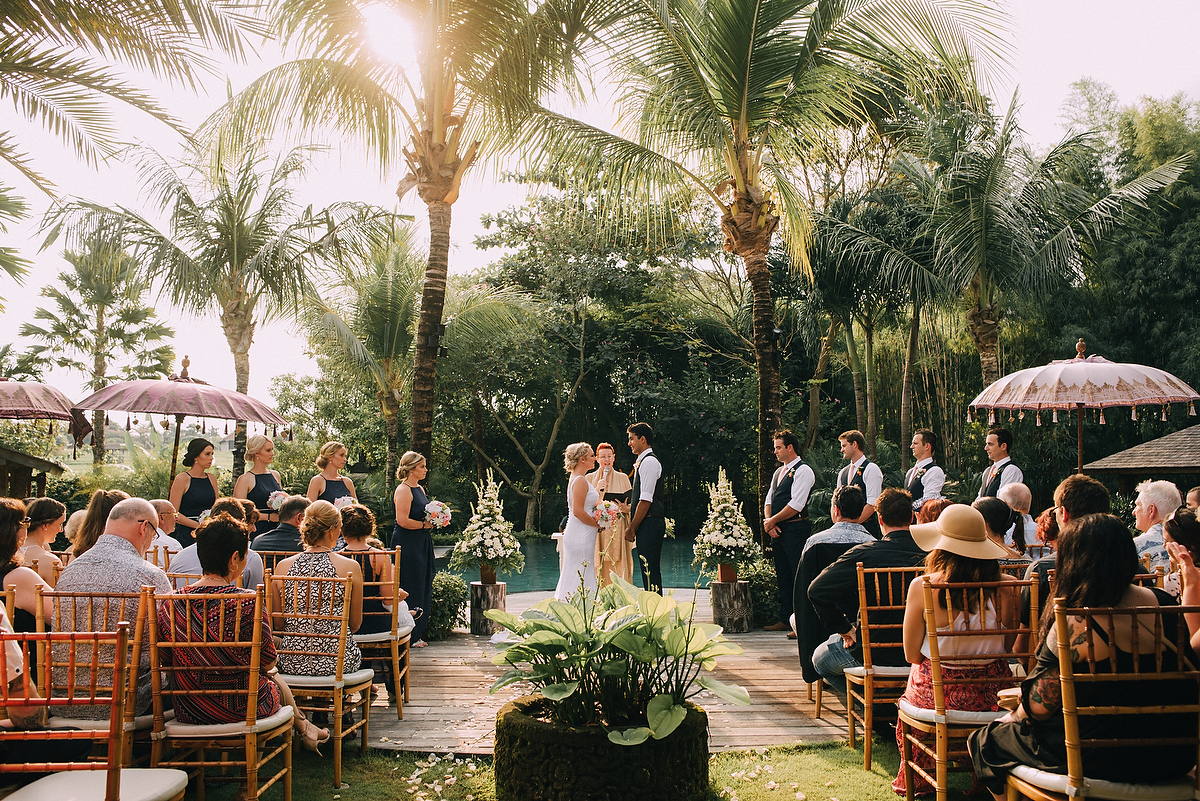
(541, 567)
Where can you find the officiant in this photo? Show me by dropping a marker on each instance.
(613, 553)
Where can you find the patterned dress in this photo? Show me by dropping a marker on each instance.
(229, 708)
(303, 654)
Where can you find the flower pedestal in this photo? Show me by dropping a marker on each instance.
(486, 595)
(732, 606)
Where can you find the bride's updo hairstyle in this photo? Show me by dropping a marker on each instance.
(574, 453)
(408, 461)
(320, 518)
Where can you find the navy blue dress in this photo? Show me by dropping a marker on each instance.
(264, 485)
(200, 497)
(334, 488)
(379, 619)
(416, 561)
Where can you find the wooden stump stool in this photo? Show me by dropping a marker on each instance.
(483, 598)
(732, 607)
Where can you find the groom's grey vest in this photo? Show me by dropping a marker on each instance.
(635, 493)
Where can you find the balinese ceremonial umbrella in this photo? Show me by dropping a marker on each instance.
(1084, 383)
(29, 400)
(183, 397)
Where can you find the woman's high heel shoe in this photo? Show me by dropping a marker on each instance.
(311, 736)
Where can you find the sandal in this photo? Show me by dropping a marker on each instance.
(311, 736)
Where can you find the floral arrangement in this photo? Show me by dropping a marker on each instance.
(437, 514)
(488, 538)
(607, 513)
(200, 518)
(343, 501)
(276, 499)
(725, 537)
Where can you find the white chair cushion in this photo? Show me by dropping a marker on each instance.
(889, 671)
(954, 717)
(176, 729)
(326, 682)
(382, 636)
(1110, 791)
(140, 723)
(137, 784)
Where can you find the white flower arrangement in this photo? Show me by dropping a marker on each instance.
(488, 538)
(343, 501)
(276, 499)
(725, 536)
(437, 514)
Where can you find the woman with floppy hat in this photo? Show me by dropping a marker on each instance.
(960, 551)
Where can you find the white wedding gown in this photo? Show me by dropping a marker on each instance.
(578, 545)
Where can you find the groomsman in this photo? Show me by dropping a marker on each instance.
(648, 524)
(861, 473)
(785, 519)
(1001, 471)
(924, 481)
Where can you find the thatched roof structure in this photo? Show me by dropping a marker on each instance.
(1173, 454)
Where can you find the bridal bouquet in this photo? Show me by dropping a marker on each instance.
(607, 513)
(276, 499)
(437, 514)
(725, 537)
(344, 501)
(488, 538)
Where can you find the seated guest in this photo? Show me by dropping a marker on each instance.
(285, 536)
(1155, 500)
(92, 527)
(223, 543)
(71, 529)
(167, 545)
(834, 593)
(116, 563)
(932, 510)
(845, 507)
(317, 656)
(12, 535)
(358, 525)
(1096, 562)
(1076, 496)
(1183, 529)
(46, 518)
(1020, 500)
(187, 561)
(960, 550)
(999, 517)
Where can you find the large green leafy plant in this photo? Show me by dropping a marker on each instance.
(621, 658)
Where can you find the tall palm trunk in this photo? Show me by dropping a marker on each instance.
(237, 321)
(748, 228)
(814, 397)
(99, 370)
(433, 299)
(391, 423)
(910, 359)
(856, 369)
(872, 421)
(983, 321)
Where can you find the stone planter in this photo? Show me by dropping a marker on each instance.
(540, 761)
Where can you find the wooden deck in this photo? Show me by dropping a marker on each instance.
(452, 712)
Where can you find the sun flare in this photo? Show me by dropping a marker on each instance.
(390, 34)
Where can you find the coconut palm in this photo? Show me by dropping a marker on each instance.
(370, 318)
(722, 95)
(100, 320)
(238, 244)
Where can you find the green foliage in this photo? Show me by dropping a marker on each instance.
(449, 605)
(29, 436)
(764, 590)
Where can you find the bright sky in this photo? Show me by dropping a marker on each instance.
(1138, 49)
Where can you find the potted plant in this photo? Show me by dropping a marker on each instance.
(725, 538)
(487, 544)
(612, 672)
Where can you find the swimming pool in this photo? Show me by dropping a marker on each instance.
(541, 567)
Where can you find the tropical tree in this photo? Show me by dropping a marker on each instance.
(237, 244)
(57, 67)
(724, 96)
(101, 326)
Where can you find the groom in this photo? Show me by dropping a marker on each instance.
(647, 525)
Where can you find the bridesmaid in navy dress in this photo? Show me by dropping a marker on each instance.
(193, 491)
(328, 485)
(258, 482)
(413, 539)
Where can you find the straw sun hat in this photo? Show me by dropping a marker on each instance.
(960, 530)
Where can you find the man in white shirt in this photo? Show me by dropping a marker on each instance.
(997, 445)
(1156, 501)
(924, 481)
(785, 519)
(648, 523)
(861, 473)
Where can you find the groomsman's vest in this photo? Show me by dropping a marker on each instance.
(635, 492)
(993, 486)
(853, 476)
(916, 487)
(782, 496)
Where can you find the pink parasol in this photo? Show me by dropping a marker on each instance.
(29, 400)
(181, 396)
(1085, 383)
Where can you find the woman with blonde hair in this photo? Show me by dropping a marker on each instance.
(92, 527)
(614, 554)
(259, 481)
(329, 484)
(412, 537)
(579, 538)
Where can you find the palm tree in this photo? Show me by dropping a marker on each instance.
(370, 317)
(57, 67)
(481, 66)
(100, 316)
(724, 93)
(238, 243)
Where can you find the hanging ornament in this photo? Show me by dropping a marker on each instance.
(289, 433)
(1133, 416)
(51, 428)
(1038, 418)
(106, 423)
(165, 423)
(991, 417)
(1054, 415)
(1191, 409)
(1021, 416)
(1101, 417)
(274, 431)
(127, 423)
(969, 420)
(227, 428)
(1010, 416)
(203, 426)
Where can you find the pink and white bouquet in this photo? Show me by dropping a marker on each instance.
(276, 499)
(342, 502)
(437, 514)
(607, 513)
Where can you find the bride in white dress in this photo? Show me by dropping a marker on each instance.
(579, 539)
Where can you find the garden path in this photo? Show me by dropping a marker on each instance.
(451, 711)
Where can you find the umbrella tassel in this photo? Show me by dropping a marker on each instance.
(127, 427)
(289, 435)
(274, 431)
(1134, 415)
(227, 428)
(1164, 414)
(51, 428)
(1054, 415)
(1191, 409)
(1038, 417)
(1101, 417)
(1021, 416)
(991, 417)
(969, 420)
